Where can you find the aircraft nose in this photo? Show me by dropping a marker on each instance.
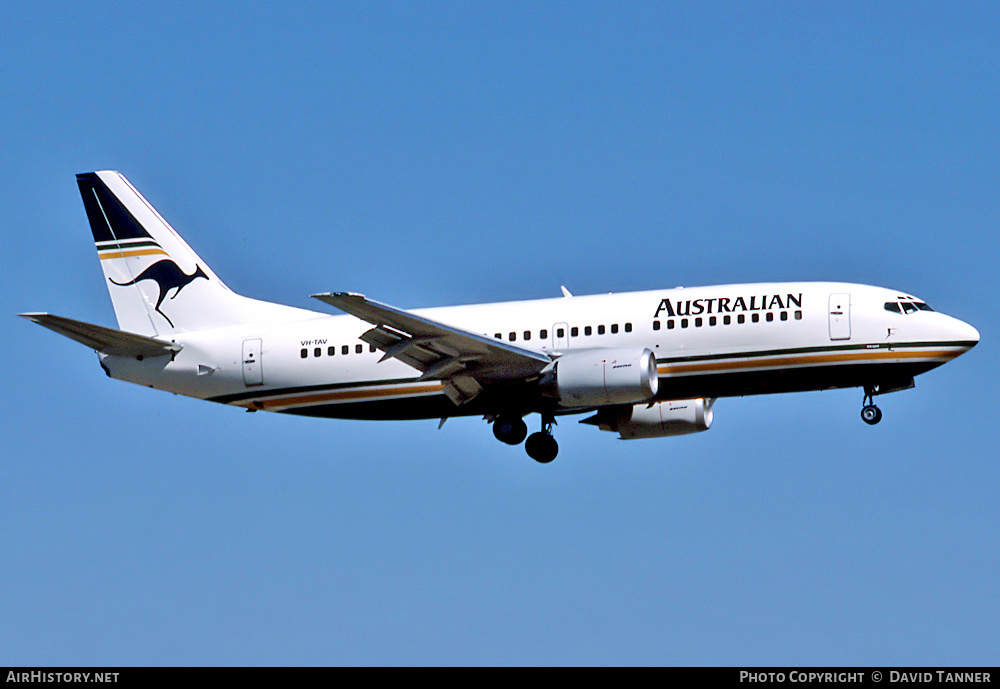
(964, 334)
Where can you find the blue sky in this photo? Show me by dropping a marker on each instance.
(433, 154)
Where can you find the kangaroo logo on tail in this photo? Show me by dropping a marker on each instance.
(167, 275)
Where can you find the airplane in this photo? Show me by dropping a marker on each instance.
(644, 364)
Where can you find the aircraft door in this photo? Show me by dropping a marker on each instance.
(560, 337)
(840, 316)
(252, 372)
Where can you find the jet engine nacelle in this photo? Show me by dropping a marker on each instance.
(659, 420)
(602, 376)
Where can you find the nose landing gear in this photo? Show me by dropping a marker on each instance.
(870, 414)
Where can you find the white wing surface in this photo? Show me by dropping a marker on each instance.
(463, 359)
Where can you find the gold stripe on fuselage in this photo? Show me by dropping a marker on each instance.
(368, 393)
(345, 395)
(786, 361)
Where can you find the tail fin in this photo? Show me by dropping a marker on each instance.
(158, 285)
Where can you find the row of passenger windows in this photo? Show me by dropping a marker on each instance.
(698, 322)
(332, 351)
(726, 320)
(588, 330)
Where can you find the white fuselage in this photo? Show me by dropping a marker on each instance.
(710, 341)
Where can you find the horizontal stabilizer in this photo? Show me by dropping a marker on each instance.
(104, 340)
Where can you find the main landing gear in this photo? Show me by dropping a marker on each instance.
(870, 414)
(541, 446)
(510, 429)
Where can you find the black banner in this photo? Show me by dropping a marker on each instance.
(869, 676)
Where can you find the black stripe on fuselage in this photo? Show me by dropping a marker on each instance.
(798, 379)
(869, 347)
(399, 409)
(264, 394)
(305, 389)
(709, 385)
(719, 384)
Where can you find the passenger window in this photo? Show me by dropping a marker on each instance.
(543, 334)
(346, 349)
(684, 322)
(359, 348)
(371, 348)
(712, 320)
(741, 318)
(656, 326)
(499, 336)
(670, 324)
(769, 317)
(560, 333)
(784, 315)
(798, 315)
(527, 334)
(331, 351)
(628, 327)
(574, 331)
(512, 337)
(726, 320)
(304, 353)
(614, 327)
(587, 330)
(755, 317)
(600, 330)
(318, 351)
(697, 322)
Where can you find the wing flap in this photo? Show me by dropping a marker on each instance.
(414, 351)
(465, 360)
(104, 340)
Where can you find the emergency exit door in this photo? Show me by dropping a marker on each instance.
(252, 372)
(840, 316)
(560, 337)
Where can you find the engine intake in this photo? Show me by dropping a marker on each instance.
(601, 377)
(659, 420)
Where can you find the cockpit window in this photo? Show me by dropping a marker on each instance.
(906, 305)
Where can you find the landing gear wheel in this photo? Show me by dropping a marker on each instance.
(541, 447)
(871, 414)
(510, 429)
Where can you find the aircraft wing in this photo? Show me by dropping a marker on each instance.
(105, 340)
(463, 359)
